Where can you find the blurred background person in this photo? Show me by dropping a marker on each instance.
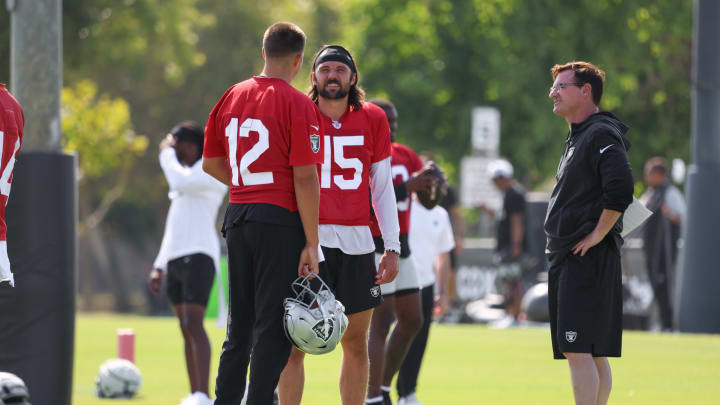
(451, 204)
(510, 235)
(431, 240)
(660, 235)
(190, 250)
(387, 345)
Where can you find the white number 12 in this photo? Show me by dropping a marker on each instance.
(231, 132)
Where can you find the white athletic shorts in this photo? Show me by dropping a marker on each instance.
(406, 280)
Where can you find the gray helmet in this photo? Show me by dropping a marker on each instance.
(13, 390)
(314, 320)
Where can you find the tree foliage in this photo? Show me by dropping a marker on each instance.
(438, 59)
(98, 129)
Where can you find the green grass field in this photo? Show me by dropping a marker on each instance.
(465, 364)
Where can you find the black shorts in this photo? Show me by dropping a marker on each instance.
(585, 299)
(190, 279)
(352, 279)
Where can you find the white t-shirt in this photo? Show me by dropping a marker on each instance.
(195, 198)
(430, 235)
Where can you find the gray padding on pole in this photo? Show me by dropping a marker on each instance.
(37, 316)
(698, 300)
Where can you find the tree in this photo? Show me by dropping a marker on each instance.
(98, 129)
(438, 59)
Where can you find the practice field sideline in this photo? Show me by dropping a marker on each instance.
(465, 365)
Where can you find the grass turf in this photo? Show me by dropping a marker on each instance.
(464, 365)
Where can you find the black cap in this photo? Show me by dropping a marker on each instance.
(188, 131)
(335, 53)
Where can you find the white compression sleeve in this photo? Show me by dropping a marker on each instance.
(384, 203)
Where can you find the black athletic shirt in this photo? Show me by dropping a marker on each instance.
(513, 203)
(593, 174)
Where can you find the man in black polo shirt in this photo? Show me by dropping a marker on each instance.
(583, 225)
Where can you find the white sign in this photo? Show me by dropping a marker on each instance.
(485, 129)
(476, 187)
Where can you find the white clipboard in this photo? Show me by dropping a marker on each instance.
(635, 214)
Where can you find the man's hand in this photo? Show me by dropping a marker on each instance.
(156, 279)
(308, 261)
(441, 305)
(167, 142)
(420, 181)
(607, 219)
(592, 239)
(387, 268)
(675, 219)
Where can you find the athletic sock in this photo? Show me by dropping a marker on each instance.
(385, 390)
(374, 400)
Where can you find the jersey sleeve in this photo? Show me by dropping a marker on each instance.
(214, 142)
(305, 139)
(381, 135)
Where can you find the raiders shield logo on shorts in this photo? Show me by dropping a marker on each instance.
(315, 143)
(375, 291)
(570, 336)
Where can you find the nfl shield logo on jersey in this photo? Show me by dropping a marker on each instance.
(570, 336)
(315, 143)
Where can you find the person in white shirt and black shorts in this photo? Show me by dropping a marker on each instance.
(190, 250)
(431, 241)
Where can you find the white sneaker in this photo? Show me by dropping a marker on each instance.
(409, 400)
(197, 398)
(188, 400)
(202, 399)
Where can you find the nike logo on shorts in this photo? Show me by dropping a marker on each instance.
(606, 148)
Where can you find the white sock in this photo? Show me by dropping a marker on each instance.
(374, 400)
(385, 388)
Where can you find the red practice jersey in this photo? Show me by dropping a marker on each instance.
(352, 144)
(264, 126)
(404, 163)
(12, 122)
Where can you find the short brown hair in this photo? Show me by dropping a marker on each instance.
(585, 72)
(283, 39)
(356, 95)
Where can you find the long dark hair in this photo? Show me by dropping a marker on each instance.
(356, 95)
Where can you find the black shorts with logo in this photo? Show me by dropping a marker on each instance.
(190, 279)
(352, 279)
(585, 299)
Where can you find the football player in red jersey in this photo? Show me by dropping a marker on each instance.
(263, 140)
(12, 123)
(402, 296)
(356, 158)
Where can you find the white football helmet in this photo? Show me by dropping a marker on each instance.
(117, 378)
(314, 320)
(13, 390)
